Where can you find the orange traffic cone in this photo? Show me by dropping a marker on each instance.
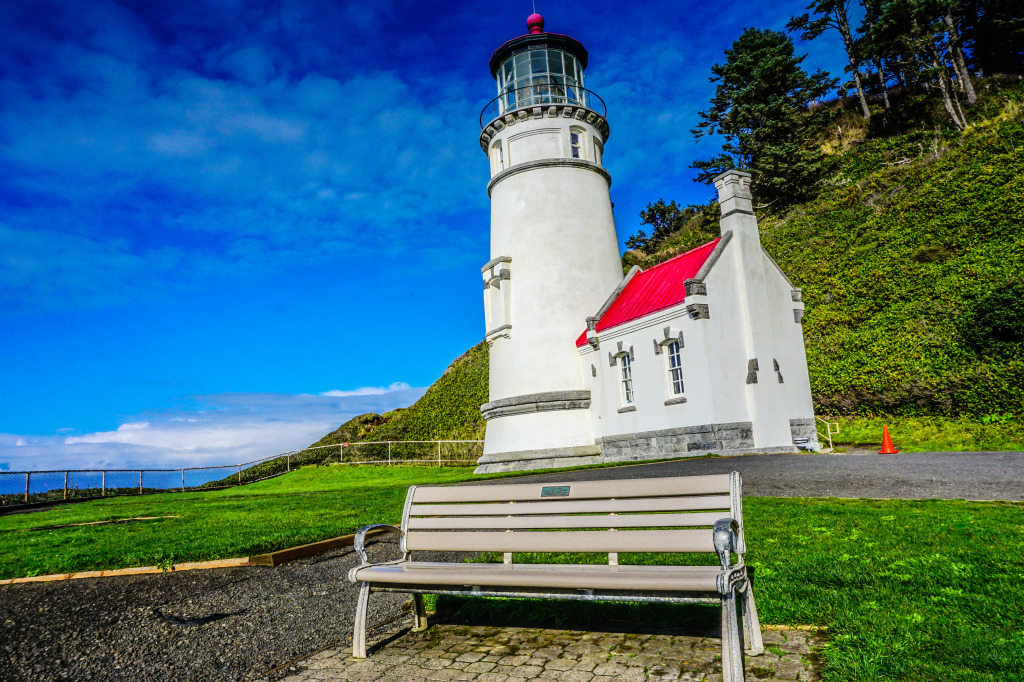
(887, 448)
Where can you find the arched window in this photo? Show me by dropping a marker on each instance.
(497, 158)
(674, 365)
(625, 380)
(577, 143)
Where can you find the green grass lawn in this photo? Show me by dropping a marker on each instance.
(910, 590)
(307, 505)
(932, 434)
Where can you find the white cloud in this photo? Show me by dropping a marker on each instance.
(369, 390)
(222, 429)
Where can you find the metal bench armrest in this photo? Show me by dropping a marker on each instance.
(359, 543)
(726, 540)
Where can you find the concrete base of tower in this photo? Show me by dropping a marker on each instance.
(528, 460)
(554, 422)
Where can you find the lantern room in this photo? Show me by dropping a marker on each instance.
(539, 68)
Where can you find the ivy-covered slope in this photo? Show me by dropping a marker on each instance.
(912, 266)
(899, 260)
(449, 410)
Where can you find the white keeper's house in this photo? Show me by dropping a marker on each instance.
(701, 354)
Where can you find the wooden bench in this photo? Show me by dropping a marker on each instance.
(684, 514)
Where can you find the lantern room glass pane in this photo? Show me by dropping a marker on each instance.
(539, 76)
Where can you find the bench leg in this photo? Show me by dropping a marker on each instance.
(751, 623)
(732, 652)
(419, 613)
(359, 627)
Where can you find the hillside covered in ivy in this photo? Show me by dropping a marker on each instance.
(911, 260)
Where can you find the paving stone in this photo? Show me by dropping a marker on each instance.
(610, 669)
(489, 654)
(569, 675)
(479, 667)
(492, 677)
(663, 672)
(434, 664)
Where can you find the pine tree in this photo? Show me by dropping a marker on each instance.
(835, 15)
(762, 106)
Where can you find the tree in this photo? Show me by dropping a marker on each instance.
(835, 15)
(993, 31)
(688, 226)
(762, 106)
(916, 34)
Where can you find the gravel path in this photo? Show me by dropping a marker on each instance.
(917, 475)
(251, 620)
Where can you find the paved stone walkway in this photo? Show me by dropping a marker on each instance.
(512, 654)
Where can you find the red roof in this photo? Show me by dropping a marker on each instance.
(653, 289)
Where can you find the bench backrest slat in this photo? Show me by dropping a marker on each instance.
(577, 490)
(563, 506)
(566, 522)
(637, 515)
(687, 540)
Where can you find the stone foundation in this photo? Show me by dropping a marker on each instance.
(733, 438)
(805, 428)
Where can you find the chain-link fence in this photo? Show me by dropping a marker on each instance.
(19, 488)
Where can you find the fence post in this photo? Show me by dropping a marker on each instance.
(389, 453)
(438, 453)
(182, 480)
(27, 477)
(65, 485)
(289, 463)
(239, 474)
(140, 481)
(103, 490)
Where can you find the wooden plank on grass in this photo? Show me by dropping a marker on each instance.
(137, 570)
(292, 553)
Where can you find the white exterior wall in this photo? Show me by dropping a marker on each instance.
(551, 216)
(754, 309)
(784, 314)
(752, 315)
(650, 376)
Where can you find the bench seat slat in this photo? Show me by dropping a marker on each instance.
(707, 502)
(687, 540)
(641, 487)
(588, 521)
(592, 577)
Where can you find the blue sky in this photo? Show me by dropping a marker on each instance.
(227, 227)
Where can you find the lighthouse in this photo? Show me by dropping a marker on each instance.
(702, 353)
(554, 252)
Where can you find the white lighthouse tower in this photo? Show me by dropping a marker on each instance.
(554, 252)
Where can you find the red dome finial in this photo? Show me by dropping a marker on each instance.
(535, 23)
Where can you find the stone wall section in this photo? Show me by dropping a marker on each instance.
(686, 441)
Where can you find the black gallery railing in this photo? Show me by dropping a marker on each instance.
(541, 95)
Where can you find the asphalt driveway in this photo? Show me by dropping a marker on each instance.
(917, 475)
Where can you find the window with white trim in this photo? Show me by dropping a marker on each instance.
(626, 380)
(674, 362)
(575, 143)
(497, 157)
(578, 143)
